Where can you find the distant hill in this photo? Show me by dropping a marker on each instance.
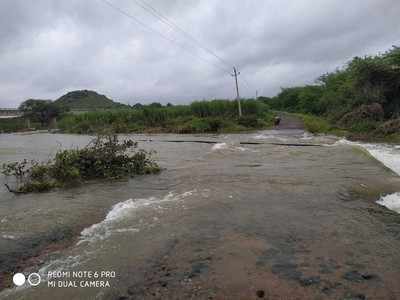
(86, 100)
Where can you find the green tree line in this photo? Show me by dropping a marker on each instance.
(363, 96)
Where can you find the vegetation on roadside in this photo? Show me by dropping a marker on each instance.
(318, 125)
(105, 157)
(87, 112)
(13, 125)
(362, 98)
(198, 117)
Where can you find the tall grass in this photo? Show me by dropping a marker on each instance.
(199, 116)
(13, 125)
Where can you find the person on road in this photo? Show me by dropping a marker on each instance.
(277, 120)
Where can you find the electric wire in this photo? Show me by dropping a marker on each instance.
(158, 15)
(137, 21)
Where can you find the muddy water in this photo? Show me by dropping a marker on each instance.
(222, 221)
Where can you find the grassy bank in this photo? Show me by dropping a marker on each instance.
(319, 125)
(15, 124)
(199, 117)
(12, 125)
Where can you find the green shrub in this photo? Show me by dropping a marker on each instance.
(315, 124)
(104, 158)
(364, 126)
(199, 125)
(250, 121)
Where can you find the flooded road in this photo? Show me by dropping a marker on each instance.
(222, 221)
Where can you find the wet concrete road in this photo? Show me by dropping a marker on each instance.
(233, 222)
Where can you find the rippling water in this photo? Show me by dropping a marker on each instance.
(389, 155)
(222, 221)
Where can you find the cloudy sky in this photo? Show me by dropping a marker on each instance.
(49, 47)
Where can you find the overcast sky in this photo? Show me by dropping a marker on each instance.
(49, 47)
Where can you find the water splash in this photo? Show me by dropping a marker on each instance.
(119, 211)
(225, 146)
(307, 136)
(9, 237)
(391, 201)
(386, 154)
(390, 157)
(264, 136)
(219, 146)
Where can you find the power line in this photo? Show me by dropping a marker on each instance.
(153, 11)
(246, 82)
(137, 21)
(158, 15)
(150, 9)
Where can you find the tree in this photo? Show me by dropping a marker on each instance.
(156, 105)
(40, 110)
(29, 104)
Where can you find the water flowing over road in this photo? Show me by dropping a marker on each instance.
(222, 221)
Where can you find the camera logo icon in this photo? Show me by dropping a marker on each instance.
(34, 279)
(19, 279)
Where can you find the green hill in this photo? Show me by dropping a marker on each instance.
(86, 100)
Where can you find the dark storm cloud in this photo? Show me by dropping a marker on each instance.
(49, 47)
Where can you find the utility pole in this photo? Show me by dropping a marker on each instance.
(256, 94)
(235, 74)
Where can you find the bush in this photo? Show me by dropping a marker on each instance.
(199, 125)
(363, 126)
(316, 125)
(104, 158)
(250, 121)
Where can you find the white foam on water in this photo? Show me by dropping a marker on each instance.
(225, 146)
(123, 230)
(9, 237)
(219, 146)
(390, 157)
(307, 136)
(62, 264)
(119, 211)
(264, 136)
(391, 201)
(242, 149)
(386, 154)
